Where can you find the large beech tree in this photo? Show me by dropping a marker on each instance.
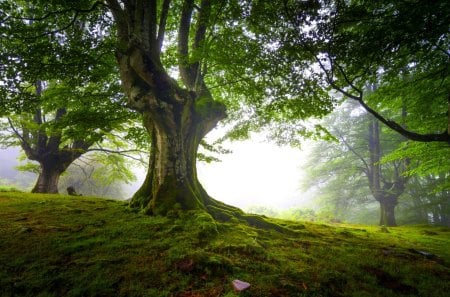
(179, 113)
(177, 117)
(183, 64)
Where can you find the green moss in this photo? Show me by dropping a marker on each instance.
(104, 249)
(202, 224)
(206, 106)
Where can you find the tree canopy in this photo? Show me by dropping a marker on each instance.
(402, 47)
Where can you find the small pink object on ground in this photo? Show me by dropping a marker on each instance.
(239, 285)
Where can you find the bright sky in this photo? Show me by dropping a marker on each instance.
(256, 173)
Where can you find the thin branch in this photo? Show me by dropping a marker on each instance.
(118, 14)
(162, 24)
(121, 153)
(70, 24)
(347, 80)
(199, 41)
(341, 137)
(59, 12)
(183, 43)
(16, 132)
(332, 83)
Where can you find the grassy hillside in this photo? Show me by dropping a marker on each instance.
(66, 246)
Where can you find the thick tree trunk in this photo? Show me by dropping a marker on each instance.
(445, 207)
(48, 179)
(176, 132)
(177, 115)
(53, 162)
(387, 212)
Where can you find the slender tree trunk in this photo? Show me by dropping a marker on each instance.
(420, 212)
(382, 214)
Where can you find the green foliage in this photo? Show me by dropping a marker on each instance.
(333, 165)
(100, 174)
(44, 42)
(428, 159)
(72, 246)
(8, 189)
(60, 84)
(29, 167)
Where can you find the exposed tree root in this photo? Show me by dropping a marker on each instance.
(218, 210)
(228, 213)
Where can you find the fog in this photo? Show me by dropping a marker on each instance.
(256, 173)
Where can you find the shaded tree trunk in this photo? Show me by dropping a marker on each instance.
(387, 211)
(53, 163)
(48, 179)
(171, 180)
(385, 191)
(419, 207)
(177, 117)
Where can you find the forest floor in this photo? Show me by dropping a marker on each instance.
(56, 245)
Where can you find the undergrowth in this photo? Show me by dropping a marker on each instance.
(54, 245)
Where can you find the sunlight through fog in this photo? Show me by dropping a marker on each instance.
(255, 173)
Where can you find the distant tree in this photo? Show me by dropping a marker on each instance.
(352, 170)
(56, 138)
(60, 95)
(346, 45)
(335, 174)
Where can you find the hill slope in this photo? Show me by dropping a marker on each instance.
(64, 246)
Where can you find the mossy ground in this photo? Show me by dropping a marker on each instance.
(54, 245)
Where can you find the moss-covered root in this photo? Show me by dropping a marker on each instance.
(225, 213)
(260, 222)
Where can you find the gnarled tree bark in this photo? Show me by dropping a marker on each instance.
(177, 116)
